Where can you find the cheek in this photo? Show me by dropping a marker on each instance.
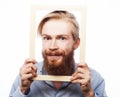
(43, 49)
(44, 46)
(68, 45)
(67, 49)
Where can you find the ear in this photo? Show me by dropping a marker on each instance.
(76, 44)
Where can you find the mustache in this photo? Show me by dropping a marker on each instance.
(55, 53)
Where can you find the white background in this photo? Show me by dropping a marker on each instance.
(102, 40)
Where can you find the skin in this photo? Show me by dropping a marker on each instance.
(56, 34)
(27, 72)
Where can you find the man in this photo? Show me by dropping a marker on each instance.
(60, 37)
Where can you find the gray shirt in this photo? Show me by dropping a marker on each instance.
(47, 89)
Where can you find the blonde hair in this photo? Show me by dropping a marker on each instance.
(64, 15)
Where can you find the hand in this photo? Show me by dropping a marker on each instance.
(82, 76)
(27, 72)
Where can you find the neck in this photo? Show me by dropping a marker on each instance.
(57, 84)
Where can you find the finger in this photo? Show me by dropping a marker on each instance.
(82, 65)
(27, 70)
(30, 70)
(34, 73)
(83, 68)
(78, 76)
(30, 60)
(32, 66)
(79, 70)
(27, 76)
(80, 81)
(85, 74)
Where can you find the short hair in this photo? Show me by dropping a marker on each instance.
(61, 15)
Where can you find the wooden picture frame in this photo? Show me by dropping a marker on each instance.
(33, 33)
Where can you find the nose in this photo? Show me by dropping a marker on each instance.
(53, 45)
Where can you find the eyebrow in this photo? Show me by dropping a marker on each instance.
(45, 35)
(65, 35)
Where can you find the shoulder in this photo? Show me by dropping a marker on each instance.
(97, 81)
(95, 74)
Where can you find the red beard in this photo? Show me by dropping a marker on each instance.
(63, 67)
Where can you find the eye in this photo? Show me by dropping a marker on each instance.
(46, 38)
(62, 38)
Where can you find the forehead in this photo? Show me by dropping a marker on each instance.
(57, 27)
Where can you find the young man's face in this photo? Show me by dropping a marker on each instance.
(57, 42)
